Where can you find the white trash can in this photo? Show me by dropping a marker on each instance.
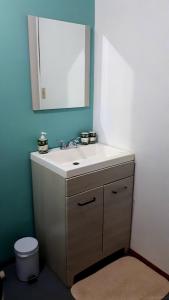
(27, 258)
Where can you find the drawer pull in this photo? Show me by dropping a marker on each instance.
(120, 190)
(88, 202)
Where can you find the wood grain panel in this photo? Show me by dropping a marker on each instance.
(95, 179)
(49, 212)
(117, 215)
(84, 229)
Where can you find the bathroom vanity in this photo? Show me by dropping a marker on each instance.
(82, 205)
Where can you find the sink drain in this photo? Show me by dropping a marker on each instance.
(76, 163)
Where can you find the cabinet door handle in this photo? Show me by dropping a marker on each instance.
(88, 202)
(119, 190)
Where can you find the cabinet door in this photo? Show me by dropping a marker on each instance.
(84, 229)
(117, 215)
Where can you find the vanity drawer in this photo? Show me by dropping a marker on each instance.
(92, 180)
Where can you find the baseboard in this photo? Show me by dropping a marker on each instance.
(148, 263)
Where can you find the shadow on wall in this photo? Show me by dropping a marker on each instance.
(116, 83)
(131, 108)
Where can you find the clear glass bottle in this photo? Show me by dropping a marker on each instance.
(43, 143)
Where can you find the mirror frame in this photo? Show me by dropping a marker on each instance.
(35, 64)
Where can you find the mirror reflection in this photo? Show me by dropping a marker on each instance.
(60, 63)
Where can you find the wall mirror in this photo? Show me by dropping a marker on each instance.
(59, 63)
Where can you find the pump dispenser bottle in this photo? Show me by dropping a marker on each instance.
(43, 143)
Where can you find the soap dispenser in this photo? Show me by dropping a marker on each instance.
(43, 143)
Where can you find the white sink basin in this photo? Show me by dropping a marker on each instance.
(88, 158)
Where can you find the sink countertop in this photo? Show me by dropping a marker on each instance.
(88, 158)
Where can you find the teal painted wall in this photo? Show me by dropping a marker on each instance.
(19, 125)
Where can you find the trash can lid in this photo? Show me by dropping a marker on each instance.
(26, 246)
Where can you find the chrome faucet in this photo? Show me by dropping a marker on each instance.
(73, 143)
(70, 144)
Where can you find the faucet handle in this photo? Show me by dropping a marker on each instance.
(73, 142)
(76, 141)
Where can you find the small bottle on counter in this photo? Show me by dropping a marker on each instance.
(43, 143)
(92, 137)
(84, 138)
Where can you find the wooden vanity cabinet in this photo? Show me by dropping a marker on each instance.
(117, 215)
(82, 219)
(84, 229)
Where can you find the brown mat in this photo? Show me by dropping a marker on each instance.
(124, 279)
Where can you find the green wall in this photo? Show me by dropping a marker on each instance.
(19, 125)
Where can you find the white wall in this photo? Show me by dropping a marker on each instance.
(131, 109)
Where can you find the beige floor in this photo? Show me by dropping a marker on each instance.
(124, 279)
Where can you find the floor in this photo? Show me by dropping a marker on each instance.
(47, 287)
(125, 279)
